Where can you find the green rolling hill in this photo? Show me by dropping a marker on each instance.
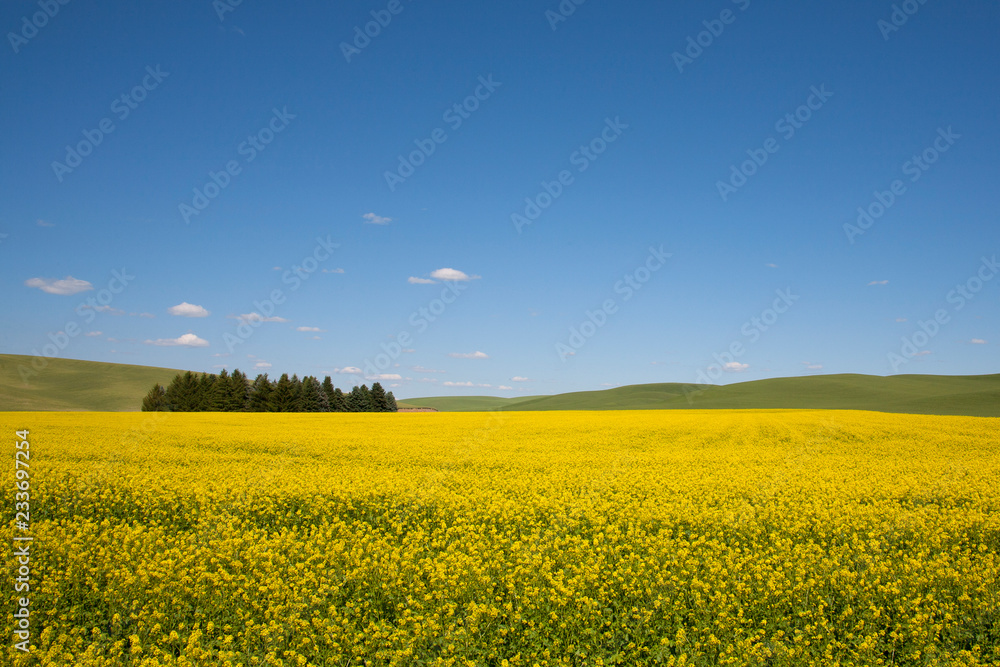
(72, 385)
(68, 384)
(970, 395)
(465, 403)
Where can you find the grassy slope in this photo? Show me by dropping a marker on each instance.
(974, 396)
(977, 396)
(69, 384)
(463, 403)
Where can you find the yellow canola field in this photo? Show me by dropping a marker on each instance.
(579, 538)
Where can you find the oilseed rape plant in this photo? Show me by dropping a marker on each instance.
(548, 538)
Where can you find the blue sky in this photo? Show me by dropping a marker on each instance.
(657, 252)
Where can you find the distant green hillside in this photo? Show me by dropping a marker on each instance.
(971, 395)
(464, 403)
(70, 385)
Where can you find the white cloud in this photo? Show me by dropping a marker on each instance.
(518, 378)
(316, 338)
(348, 370)
(94, 334)
(312, 329)
(922, 353)
(187, 340)
(108, 309)
(420, 281)
(978, 341)
(504, 387)
(222, 354)
(812, 367)
(386, 376)
(45, 223)
(735, 367)
(185, 309)
(332, 271)
(878, 282)
(452, 274)
(262, 365)
(65, 287)
(469, 355)
(146, 315)
(408, 350)
(901, 319)
(372, 219)
(421, 369)
(249, 318)
(458, 384)
(771, 266)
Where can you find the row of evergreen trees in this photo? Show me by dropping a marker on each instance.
(191, 392)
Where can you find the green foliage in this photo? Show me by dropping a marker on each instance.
(379, 401)
(285, 397)
(339, 402)
(156, 399)
(311, 396)
(182, 394)
(239, 392)
(260, 394)
(189, 392)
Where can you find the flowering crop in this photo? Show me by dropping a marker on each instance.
(549, 538)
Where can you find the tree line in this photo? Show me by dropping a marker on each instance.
(225, 392)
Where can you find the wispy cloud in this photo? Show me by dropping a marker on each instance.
(504, 387)
(348, 370)
(187, 340)
(310, 329)
(185, 309)
(65, 287)
(94, 334)
(878, 282)
(978, 341)
(735, 367)
(446, 275)
(386, 376)
(469, 355)
(332, 271)
(104, 309)
(452, 274)
(45, 223)
(249, 318)
(372, 219)
(261, 365)
(458, 384)
(771, 266)
(421, 369)
(518, 378)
